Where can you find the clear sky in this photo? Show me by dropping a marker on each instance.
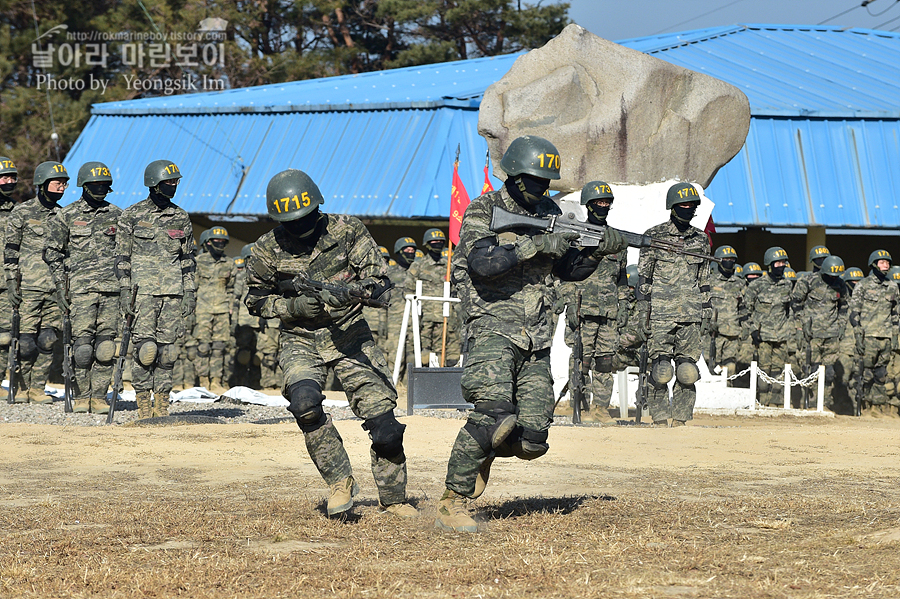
(622, 19)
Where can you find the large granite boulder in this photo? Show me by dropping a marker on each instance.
(615, 114)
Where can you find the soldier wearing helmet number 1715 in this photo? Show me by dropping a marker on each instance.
(675, 309)
(155, 251)
(327, 330)
(36, 297)
(81, 246)
(506, 285)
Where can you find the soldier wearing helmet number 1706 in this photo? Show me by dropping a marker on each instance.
(81, 246)
(155, 251)
(36, 297)
(675, 309)
(327, 330)
(506, 285)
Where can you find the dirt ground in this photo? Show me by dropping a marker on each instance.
(726, 507)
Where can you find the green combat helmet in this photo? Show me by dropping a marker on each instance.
(752, 270)
(681, 193)
(739, 270)
(819, 252)
(46, 171)
(246, 251)
(726, 252)
(8, 169)
(774, 254)
(893, 274)
(853, 274)
(879, 255)
(433, 235)
(790, 274)
(596, 190)
(384, 252)
(531, 155)
(204, 237)
(832, 266)
(160, 170)
(631, 272)
(404, 242)
(218, 233)
(291, 195)
(93, 172)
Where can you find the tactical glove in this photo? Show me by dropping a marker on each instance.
(754, 335)
(613, 242)
(188, 303)
(15, 294)
(554, 245)
(125, 301)
(642, 313)
(704, 326)
(337, 299)
(571, 317)
(895, 342)
(305, 307)
(61, 300)
(860, 338)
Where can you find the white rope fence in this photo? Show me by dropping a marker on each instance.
(816, 379)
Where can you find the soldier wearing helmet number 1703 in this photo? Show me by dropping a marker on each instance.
(36, 297)
(327, 330)
(81, 246)
(674, 304)
(506, 283)
(155, 251)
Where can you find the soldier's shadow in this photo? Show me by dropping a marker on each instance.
(516, 508)
(219, 413)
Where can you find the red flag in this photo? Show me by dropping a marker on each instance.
(487, 182)
(459, 201)
(710, 228)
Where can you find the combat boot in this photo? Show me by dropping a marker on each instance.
(160, 404)
(99, 406)
(598, 414)
(481, 479)
(401, 510)
(81, 406)
(678, 423)
(453, 513)
(38, 396)
(145, 408)
(341, 494)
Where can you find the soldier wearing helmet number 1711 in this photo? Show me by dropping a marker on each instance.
(81, 246)
(155, 251)
(327, 329)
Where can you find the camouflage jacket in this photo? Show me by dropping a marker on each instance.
(81, 244)
(26, 232)
(242, 316)
(215, 284)
(155, 249)
(820, 309)
(343, 252)
(6, 206)
(874, 307)
(604, 291)
(432, 273)
(517, 304)
(727, 296)
(677, 285)
(768, 303)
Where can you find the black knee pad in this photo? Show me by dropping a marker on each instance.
(105, 349)
(28, 349)
(83, 352)
(219, 345)
(686, 371)
(661, 372)
(145, 352)
(243, 357)
(45, 340)
(306, 405)
(531, 444)
(484, 434)
(604, 363)
(880, 375)
(386, 434)
(167, 356)
(829, 374)
(203, 350)
(191, 352)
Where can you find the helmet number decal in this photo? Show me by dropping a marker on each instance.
(301, 201)
(688, 192)
(172, 169)
(98, 171)
(549, 160)
(58, 168)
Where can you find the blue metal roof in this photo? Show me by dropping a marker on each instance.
(822, 147)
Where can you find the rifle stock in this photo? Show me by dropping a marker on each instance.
(119, 369)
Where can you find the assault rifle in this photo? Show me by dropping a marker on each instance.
(303, 285)
(859, 386)
(712, 339)
(577, 387)
(589, 235)
(67, 365)
(809, 369)
(640, 398)
(13, 363)
(119, 369)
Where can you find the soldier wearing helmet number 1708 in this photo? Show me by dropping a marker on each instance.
(36, 298)
(327, 330)
(506, 286)
(215, 294)
(81, 246)
(674, 304)
(155, 251)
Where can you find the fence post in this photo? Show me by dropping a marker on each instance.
(401, 344)
(753, 383)
(820, 389)
(787, 386)
(623, 393)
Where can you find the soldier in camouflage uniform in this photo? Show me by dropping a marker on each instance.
(801, 282)
(874, 316)
(246, 327)
(327, 330)
(184, 373)
(81, 245)
(9, 177)
(674, 308)
(852, 276)
(377, 317)
(215, 297)
(892, 386)
(432, 271)
(506, 282)
(820, 305)
(405, 251)
(601, 295)
(726, 295)
(629, 343)
(26, 231)
(155, 248)
(768, 302)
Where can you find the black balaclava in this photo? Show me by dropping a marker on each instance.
(527, 190)
(776, 272)
(95, 193)
(817, 263)
(596, 213)
(682, 217)
(435, 248)
(726, 266)
(405, 261)
(832, 281)
(49, 198)
(216, 247)
(7, 188)
(882, 276)
(303, 227)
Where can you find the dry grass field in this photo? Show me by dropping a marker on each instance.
(726, 507)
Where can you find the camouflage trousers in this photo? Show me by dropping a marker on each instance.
(876, 359)
(498, 370)
(728, 352)
(598, 337)
(245, 370)
(772, 356)
(361, 368)
(433, 340)
(39, 319)
(267, 344)
(213, 332)
(5, 328)
(673, 341)
(95, 316)
(892, 387)
(825, 352)
(158, 319)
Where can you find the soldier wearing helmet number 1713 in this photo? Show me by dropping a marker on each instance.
(155, 251)
(81, 245)
(506, 283)
(327, 330)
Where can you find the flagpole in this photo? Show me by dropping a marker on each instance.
(447, 277)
